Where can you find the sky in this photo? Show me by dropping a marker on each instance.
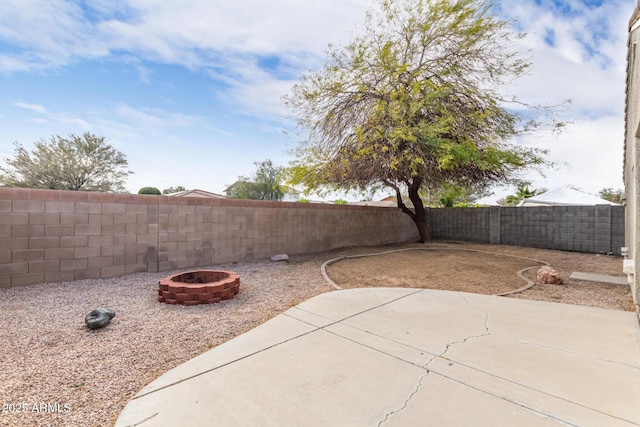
(191, 90)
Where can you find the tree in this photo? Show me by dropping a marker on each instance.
(414, 102)
(77, 163)
(264, 185)
(242, 189)
(149, 190)
(612, 195)
(522, 192)
(453, 194)
(172, 190)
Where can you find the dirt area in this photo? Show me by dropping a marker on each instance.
(485, 269)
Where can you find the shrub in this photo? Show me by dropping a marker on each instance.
(149, 190)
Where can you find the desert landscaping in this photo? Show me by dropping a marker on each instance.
(50, 355)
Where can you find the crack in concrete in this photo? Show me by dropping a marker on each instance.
(485, 325)
(573, 353)
(441, 355)
(548, 346)
(143, 421)
(406, 402)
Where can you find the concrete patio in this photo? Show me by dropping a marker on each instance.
(405, 357)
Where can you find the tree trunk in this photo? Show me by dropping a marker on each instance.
(420, 217)
(423, 229)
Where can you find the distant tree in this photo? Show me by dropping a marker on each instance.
(172, 190)
(510, 200)
(522, 192)
(149, 190)
(268, 178)
(77, 163)
(612, 195)
(264, 185)
(416, 100)
(452, 194)
(242, 189)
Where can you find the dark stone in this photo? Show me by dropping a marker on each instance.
(108, 312)
(99, 318)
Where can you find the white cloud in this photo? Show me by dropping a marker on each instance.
(588, 156)
(47, 33)
(192, 33)
(585, 63)
(587, 60)
(251, 89)
(155, 118)
(62, 117)
(280, 25)
(223, 37)
(33, 107)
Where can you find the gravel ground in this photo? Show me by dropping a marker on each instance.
(54, 371)
(49, 357)
(445, 266)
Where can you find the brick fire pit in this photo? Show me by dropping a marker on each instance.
(199, 287)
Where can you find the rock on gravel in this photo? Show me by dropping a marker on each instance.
(548, 276)
(99, 318)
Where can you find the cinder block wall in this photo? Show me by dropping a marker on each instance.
(53, 236)
(618, 227)
(594, 229)
(470, 224)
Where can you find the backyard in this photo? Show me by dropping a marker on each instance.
(50, 357)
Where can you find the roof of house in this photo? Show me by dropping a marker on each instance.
(290, 190)
(197, 193)
(565, 196)
(394, 200)
(378, 203)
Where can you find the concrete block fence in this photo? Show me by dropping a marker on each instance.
(54, 236)
(594, 229)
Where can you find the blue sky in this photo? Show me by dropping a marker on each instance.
(190, 90)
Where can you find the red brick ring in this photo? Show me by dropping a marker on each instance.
(199, 287)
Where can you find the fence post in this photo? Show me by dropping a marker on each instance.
(603, 229)
(494, 225)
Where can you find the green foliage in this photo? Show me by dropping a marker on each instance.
(242, 189)
(414, 102)
(264, 185)
(522, 192)
(149, 190)
(452, 194)
(301, 200)
(510, 200)
(340, 202)
(447, 201)
(78, 163)
(612, 195)
(172, 190)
